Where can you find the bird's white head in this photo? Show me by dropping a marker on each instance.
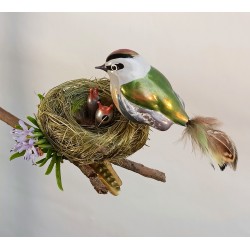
(124, 66)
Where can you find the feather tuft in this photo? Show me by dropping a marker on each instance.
(212, 142)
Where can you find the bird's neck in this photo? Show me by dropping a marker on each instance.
(115, 90)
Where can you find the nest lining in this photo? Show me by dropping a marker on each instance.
(87, 143)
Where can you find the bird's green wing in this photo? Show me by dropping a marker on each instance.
(155, 92)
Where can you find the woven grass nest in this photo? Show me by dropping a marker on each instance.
(58, 116)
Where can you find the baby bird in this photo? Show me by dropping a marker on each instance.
(104, 114)
(92, 101)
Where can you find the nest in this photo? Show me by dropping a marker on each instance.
(59, 117)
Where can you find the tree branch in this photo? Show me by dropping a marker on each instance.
(8, 118)
(12, 120)
(141, 169)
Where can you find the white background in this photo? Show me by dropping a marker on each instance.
(206, 58)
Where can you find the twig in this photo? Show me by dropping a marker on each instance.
(141, 169)
(12, 120)
(8, 118)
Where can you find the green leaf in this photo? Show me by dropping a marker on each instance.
(41, 97)
(51, 165)
(40, 161)
(45, 146)
(49, 153)
(45, 150)
(33, 120)
(18, 127)
(43, 162)
(42, 141)
(16, 155)
(58, 173)
(38, 134)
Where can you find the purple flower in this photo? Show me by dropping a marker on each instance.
(20, 135)
(25, 142)
(31, 152)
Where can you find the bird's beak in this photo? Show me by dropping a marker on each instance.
(102, 67)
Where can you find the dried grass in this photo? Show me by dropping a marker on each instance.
(87, 143)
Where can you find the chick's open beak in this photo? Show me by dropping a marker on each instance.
(102, 67)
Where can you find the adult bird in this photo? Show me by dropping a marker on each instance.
(143, 94)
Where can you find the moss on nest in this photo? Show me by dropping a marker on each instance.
(87, 142)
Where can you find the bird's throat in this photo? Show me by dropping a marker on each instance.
(115, 92)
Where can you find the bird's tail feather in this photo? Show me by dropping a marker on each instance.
(212, 142)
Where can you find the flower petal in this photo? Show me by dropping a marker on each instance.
(31, 142)
(21, 139)
(22, 124)
(24, 142)
(28, 154)
(17, 132)
(31, 129)
(35, 151)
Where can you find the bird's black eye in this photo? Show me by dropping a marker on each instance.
(120, 65)
(115, 67)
